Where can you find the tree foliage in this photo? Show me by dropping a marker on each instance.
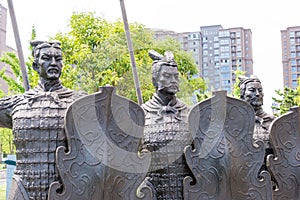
(6, 141)
(95, 54)
(236, 87)
(97, 51)
(285, 100)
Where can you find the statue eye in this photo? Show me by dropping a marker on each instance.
(166, 75)
(45, 58)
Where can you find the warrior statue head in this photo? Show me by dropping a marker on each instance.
(47, 59)
(251, 91)
(165, 75)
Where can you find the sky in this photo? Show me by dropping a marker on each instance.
(265, 18)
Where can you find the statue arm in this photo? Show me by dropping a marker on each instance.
(6, 106)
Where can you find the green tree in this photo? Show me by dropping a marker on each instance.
(236, 87)
(6, 141)
(285, 100)
(97, 50)
(95, 53)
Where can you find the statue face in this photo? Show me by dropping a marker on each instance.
(168, 80)
(49, 64)
(254, 94)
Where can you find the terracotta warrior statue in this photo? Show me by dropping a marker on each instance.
(37, 121)
(166, 131)
(251, 91)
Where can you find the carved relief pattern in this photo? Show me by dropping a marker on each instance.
(225, 160)
(285, 137)
(101, 162)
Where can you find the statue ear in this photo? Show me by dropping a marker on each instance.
(35, 67)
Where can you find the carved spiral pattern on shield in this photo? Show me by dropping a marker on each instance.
(285, 166)
(102, 162)
(225, 160)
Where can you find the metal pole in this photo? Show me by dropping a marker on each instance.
(130, 48)
(18, 44)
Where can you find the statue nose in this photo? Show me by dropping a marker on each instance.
(53, 61)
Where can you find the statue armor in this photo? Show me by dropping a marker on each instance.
(165, 136)
(261, 130)
(38, 128)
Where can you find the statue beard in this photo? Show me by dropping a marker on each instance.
(256, 102)
(174, 87)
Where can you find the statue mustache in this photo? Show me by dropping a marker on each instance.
(169, 86)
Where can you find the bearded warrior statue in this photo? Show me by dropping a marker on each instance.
(166, 132)
(37, 121)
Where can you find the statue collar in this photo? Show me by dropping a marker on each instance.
(157, 106)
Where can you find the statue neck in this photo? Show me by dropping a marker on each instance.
(166, 98)
(258, 111)
(50, 85)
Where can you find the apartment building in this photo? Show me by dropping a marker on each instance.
(290, 43)
(189, 41)
(3, 47)
(225, 51)
(218, 52)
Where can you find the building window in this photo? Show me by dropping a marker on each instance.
(224, 41)
(224, 55)
(224, 33)
(226, 75)
(292, 48)
(224, 48)
(292, 41)
(294, 84)
(225, 68)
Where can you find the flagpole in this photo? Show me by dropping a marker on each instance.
(18, 44)
(131, 52)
